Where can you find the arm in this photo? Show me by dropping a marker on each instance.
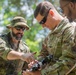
(10, 54)
(44, 52)
(67, 59)
(13, 55)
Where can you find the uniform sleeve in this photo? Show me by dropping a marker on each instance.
(3, 49)
(68, 57)
(44, 52)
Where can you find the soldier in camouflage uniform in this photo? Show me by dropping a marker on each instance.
(13, 51)
(60, 43)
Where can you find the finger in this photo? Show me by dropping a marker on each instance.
(36, 61)
(32, 59)
(30, 65)
(26, 72)
(34, 53)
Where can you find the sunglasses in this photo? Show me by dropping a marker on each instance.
(44, 19)
(19, 28)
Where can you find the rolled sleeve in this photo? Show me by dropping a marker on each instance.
(4, 50)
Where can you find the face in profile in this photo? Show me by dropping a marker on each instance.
(68, 10)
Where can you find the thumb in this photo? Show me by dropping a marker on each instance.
(34, 53)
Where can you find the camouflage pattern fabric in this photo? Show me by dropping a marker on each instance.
(60, 43)
(18, 21)
(10, 67)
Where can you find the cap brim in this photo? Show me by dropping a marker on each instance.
(8, 26)
(19, 24)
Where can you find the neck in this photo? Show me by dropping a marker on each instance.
(59, 20)
(15, 41)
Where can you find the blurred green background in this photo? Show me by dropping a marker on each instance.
(25, 8)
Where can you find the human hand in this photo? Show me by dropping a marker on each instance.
(27, 72)
(30, 65)
(34, 66)
(28, 57)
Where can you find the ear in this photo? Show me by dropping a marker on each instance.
(72, 5)
(51, 12)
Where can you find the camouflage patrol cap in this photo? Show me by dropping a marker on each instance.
(18, 21)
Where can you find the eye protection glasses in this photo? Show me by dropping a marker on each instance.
(19, 28)
(44, 19)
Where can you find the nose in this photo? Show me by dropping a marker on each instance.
(21, 31)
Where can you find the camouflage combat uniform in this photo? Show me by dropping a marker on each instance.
(10, 67)
(61, 44)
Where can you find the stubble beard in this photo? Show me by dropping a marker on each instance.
(16, 36)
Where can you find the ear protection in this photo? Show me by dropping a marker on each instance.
(51, 12)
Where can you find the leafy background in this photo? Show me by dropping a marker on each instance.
(24, 8)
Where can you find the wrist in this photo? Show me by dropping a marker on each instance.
(22, 57)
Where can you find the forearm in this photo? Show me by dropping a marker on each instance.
(62, 65)
(12, 55)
